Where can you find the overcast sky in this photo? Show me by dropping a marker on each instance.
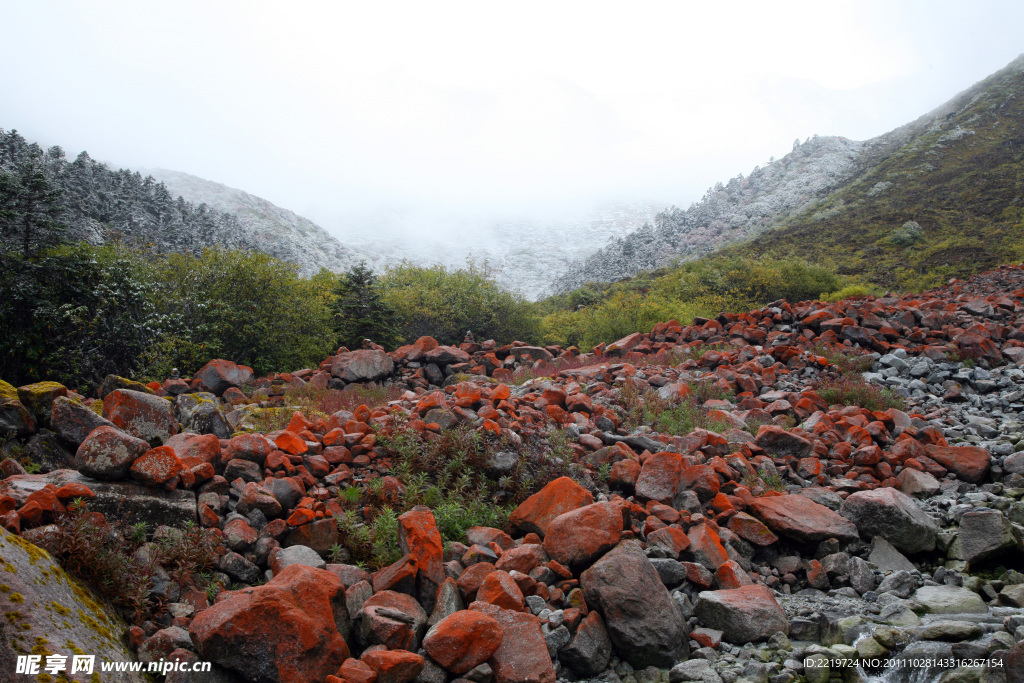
(336, 110)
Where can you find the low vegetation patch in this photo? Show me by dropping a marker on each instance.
(854, 391)
(465, 478)
(674, 416)
(119, 565)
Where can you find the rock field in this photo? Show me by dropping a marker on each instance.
(786, 534)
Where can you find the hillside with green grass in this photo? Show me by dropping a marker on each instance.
(940, 197)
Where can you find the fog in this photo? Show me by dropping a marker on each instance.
(368, 116)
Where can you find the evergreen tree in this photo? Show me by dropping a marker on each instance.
(30, 208)
(360, 311)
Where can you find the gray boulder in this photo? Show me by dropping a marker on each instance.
(364, 365)
(892, 515)
(984, 534)
(201, 413)
(643, 621)
(590, 650)
(107, 453)
(948, 600)
(73, 421)
(748, 614)
(144, 416)
(44, 594)
(121, 500)
(887, 557)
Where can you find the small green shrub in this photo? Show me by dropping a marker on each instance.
(851, 391)
(679, 417)
(907, 234)
(847, 292)
(105, 557)
(446, 473)
(847, 363)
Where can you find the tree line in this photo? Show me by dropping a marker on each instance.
(102, 273)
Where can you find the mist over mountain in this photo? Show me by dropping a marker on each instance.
(521, 251)
(954, 170)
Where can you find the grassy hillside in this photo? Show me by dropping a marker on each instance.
(958, 173)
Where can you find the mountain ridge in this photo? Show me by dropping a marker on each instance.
(746, 212)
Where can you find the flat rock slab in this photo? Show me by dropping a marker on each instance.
(803, 520)
(949, 600)
(118, 500)
(48, 612)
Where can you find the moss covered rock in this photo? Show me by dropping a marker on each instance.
(48, 612)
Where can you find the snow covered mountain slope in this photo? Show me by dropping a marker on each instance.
(278, 231)
(727, 213)
(522, 253)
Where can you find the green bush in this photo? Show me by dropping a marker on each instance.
(907, 234)
(706, 287)
(445, 304)
(74, 314)
(678, 417)
(247, 307)
(846, 293)
(854, 391)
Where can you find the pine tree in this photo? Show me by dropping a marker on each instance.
(30, 207)
(360, 311)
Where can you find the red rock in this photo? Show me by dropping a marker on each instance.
(523, 655)
(286, 630)
(399, 576)
(731, 575)
(68, 492)
(290, 443)
(156, 466)
(624, 474)
(803, 520)
(418, 536)
(706, 547)
(674, 540)
(420, 348)
(747, 614)
(463, 640)
(500, 589)
(557, 497)
(471, 579)
(144, 416)
(208, 519)
(750, 529)
(218, 375)
(522, 558)
(107, 453)
(707, 637)
(356, 671)
(252, 447)
(660, 477)
(578, 537)
(486, 535)
(969, 463)
(702, 480)
(817, 577)
(195, 448)
(391, 619)
(394, 666)
(778, 441)
(301, 516)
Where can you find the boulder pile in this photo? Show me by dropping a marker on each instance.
(838, 482)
